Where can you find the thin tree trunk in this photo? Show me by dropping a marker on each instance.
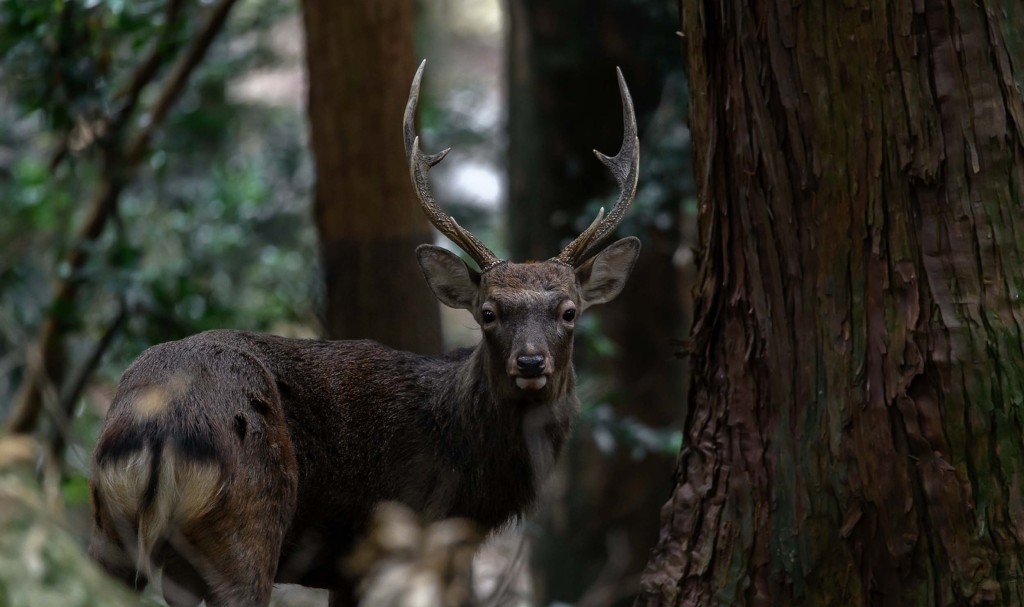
(359, 55)
(854, 435)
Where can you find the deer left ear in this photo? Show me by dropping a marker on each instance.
(602, 277)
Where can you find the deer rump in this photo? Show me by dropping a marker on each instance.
(229, 457)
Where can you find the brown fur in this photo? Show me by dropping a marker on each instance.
(234, 459)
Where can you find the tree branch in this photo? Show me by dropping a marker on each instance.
(178, 78)
(148, 68)
(118, 164)
(144, 73)
(63, 414)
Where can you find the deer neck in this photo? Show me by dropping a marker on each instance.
(479, 401)
(481, 396)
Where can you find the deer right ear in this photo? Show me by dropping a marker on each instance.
(602, 277)
(453, 282)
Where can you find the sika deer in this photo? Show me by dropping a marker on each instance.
(231, 460)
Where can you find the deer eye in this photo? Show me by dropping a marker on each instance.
(488, 316)
(569, 315)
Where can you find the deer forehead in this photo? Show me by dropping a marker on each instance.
(529, 284)
(523, 298)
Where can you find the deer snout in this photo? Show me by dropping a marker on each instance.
(529, 370)
(531, 365)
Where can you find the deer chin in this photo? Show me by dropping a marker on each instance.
(531, 383)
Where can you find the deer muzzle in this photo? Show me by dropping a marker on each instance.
(530, 371)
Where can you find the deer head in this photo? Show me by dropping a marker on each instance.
(527, 311)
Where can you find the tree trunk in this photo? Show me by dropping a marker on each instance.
(855, 420)
(359, 55)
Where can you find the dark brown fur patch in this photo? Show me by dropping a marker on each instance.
(154, 473)
(241, 426)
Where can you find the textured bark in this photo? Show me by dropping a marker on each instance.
(563, 102)
(854, 433)
(359, 55)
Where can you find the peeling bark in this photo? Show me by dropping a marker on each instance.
(854, 434)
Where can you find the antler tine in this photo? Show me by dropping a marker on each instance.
(419, 167)
(624, 167)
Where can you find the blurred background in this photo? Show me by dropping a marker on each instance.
(172, 166)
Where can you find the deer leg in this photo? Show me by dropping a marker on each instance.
(107, 547)
(228, 566)
(181, 584)
(236, 547)
(116, 561)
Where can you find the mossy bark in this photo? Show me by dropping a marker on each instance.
(360, 59)
(854, 435)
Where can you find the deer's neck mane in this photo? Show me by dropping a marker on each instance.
(473, 404)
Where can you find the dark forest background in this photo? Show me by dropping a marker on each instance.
(841, 267)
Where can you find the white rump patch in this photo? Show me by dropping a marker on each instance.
(185, 490)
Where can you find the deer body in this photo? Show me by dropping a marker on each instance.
(337, 428)
(231, 460)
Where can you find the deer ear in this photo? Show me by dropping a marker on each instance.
(453, 282)
(602, 277)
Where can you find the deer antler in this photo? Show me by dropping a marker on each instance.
(419, 166)
(624, 167)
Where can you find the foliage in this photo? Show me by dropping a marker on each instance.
(600, 419)
(214, 231)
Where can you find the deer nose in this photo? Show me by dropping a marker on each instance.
(530, 365)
